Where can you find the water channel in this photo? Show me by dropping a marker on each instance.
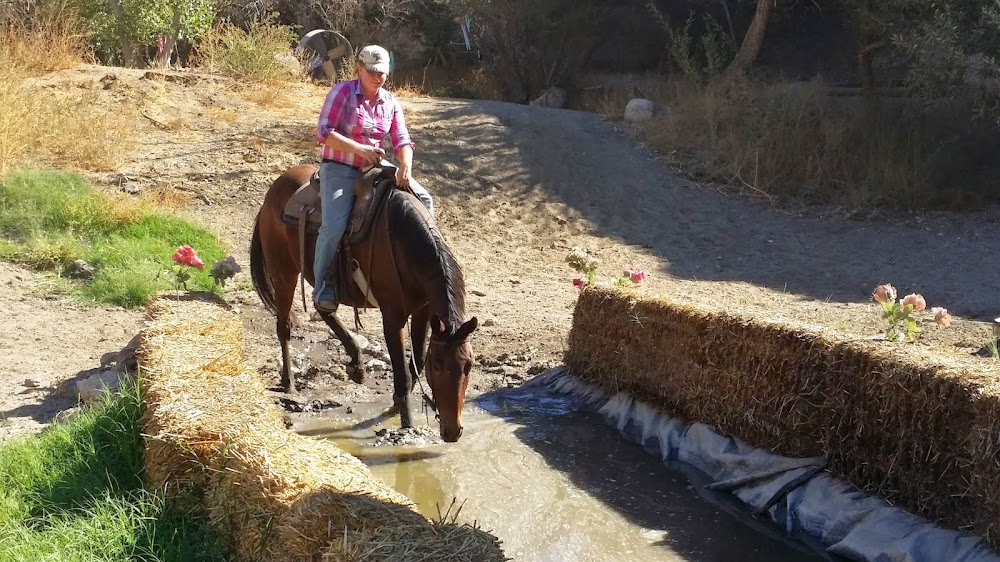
(557, 484)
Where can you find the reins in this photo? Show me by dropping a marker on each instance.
(427, 400)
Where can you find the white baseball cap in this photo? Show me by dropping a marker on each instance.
(375, 59)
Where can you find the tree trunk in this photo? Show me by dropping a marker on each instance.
(128, 52)
(865, 70)
(163, 58)
(752, 41)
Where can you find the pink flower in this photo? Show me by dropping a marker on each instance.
(941, 316)
(579, 282)
(185, 255)
(635, 275)
(916, 300)
(884, 294)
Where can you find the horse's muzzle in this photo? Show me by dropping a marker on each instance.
(450, 434)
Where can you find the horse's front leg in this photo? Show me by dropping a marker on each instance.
(418, 340)
(393, 331)
(354, 369)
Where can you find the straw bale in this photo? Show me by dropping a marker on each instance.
(274, 494)
(918, 429)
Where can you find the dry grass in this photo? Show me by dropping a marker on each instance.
(798, 141)
(914, 426)
(224, 114)
(167, 197)
(275, 494)
(52, 37)
(87, 136)
(270, 95)
(90, 137)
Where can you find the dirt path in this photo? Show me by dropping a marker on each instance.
(516, 188)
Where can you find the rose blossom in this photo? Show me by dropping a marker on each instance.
(941, 316)
(916, 300)
(185, 255)
(884, 294)
(635, 275)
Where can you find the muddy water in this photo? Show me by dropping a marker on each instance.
(557, 484)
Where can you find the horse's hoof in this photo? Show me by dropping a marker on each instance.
(356, 374)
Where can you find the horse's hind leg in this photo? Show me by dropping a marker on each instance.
(350, 345)
(284, 293)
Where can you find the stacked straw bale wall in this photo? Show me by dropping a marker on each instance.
(275, 495)
(919, 429)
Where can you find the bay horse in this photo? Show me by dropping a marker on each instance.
(411, 274)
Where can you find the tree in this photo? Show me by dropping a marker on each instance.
(752, 41)
(130, 30)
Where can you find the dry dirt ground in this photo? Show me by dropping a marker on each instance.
(516, 188)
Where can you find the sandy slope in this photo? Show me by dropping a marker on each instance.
(516, 188)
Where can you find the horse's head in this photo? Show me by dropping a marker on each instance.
(449, 361)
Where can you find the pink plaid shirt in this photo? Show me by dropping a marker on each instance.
(344, 111)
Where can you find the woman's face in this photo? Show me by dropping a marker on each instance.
(370, 81)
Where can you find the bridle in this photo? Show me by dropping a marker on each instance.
(427, 400)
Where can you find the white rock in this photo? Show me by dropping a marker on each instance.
(639, 110)
(375, 365)
(362, 341)
(92, 388)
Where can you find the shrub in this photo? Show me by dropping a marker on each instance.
(260, 52)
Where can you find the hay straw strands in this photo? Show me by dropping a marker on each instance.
(915, 427)
(275, 494)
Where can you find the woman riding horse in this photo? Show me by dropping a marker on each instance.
(411, 271)
(352, 124)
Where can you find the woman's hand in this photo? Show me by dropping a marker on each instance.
(403, 175)
(371, 155)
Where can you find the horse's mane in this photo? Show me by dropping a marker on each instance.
(431, 258)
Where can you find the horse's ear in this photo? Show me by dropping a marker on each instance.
(437, 326)
(466, 329)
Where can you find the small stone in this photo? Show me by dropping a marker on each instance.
(349, 410)
(67, 414)
(375, 365)
(382, 432)
(512, 372)
(362, 341)
(80, 269)
(130, 188)
(478, 293)
(490, 321)
(30, 383)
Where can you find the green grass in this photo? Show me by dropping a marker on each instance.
(74, 493)
(49, 219)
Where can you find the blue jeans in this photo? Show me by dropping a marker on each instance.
(336, 184)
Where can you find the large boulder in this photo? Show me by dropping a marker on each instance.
(639, 110)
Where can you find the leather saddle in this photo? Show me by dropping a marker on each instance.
(304, 213)
(370, 193)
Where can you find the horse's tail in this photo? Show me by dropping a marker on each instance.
(258, 270)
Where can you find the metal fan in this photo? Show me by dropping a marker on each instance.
(329, 54)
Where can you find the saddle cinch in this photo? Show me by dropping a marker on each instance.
(371, 192)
